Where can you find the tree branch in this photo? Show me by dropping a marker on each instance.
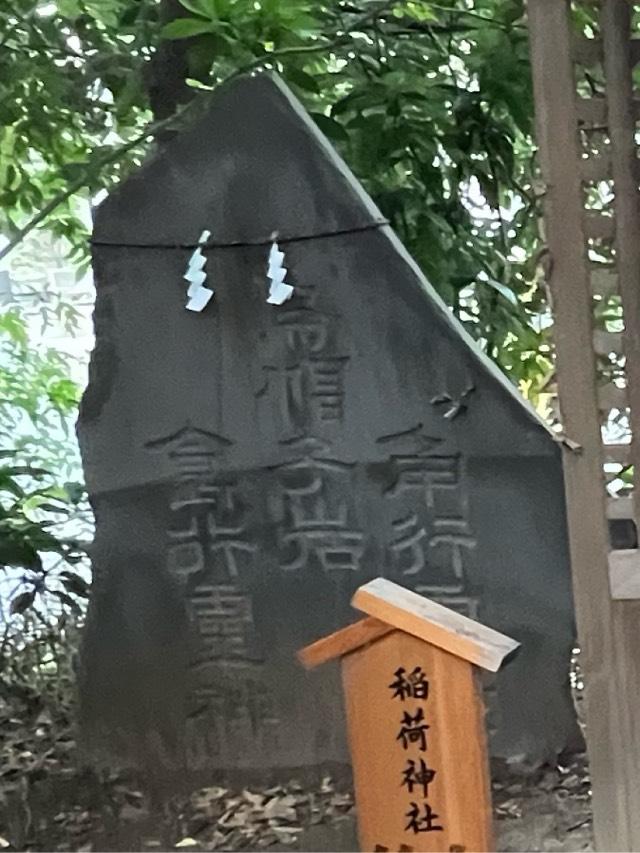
(153, 128)
(112, 157)
(479, 17)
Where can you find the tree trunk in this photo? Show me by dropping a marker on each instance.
(168, 70)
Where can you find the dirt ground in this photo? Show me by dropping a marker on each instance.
(549, 811)
(49, 802)
(545, 811)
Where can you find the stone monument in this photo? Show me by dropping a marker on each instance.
(252, 463)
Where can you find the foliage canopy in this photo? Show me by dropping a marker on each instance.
(429, 102)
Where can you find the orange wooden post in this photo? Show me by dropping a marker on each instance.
(415, 717)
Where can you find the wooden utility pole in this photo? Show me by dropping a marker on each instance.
(586, 143)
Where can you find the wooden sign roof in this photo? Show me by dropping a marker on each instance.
(392, 607)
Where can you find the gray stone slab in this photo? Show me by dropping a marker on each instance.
(252, 465)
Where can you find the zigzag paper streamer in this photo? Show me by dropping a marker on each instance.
(199, 295)
(279, 291)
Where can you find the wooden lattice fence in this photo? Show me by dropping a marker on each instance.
(587, 111)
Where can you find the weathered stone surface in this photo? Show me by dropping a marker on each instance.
(250, 466)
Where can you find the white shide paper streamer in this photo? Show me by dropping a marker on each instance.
(279, 291)
(199, 295)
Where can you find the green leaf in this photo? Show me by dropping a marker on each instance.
(183, 28)
(24, 471)
(71, 603)
(329, 126)
(16, 551)
(420, 11)
(15, 327)
(75, 584)
(303, 80)
(73, 171)
(202, 8)
(502, 289)
(64, 394)
(23, 601)
(129, 15)
(75, 492)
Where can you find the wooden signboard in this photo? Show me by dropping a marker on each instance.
(416, 720)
